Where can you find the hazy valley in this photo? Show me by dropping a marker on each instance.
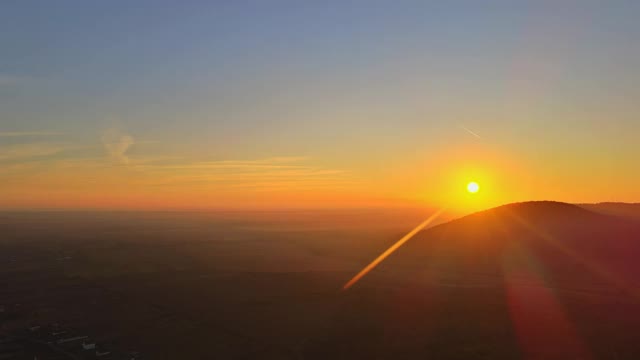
(539, 279)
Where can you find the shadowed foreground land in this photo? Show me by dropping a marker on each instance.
(543, 280)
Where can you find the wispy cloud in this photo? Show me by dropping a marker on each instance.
(65, 166)
(116, 145)
(29, 151)
(28, 133)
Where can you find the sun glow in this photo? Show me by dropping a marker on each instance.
(473, 187)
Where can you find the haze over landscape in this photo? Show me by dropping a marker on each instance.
(340, 179)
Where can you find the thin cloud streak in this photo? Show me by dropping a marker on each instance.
(249, 174)
(469, 131)
(28, 133)
(29, 151)
(276, 165)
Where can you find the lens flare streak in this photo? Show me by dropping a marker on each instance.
(393, 248)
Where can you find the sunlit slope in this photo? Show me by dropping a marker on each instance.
(547, 242)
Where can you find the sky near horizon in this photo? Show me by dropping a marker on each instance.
(232, 104)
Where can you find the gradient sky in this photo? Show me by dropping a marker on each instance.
(213, 104)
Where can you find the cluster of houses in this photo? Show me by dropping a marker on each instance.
(54, 342)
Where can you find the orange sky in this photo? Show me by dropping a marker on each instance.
(431, 178)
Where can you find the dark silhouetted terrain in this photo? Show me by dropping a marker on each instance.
(616, 209)
(539, 280)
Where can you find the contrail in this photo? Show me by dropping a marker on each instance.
(469, 131)
(390, 250)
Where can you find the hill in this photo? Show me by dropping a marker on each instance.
(556, 279)
(628, 210)
(558, 241)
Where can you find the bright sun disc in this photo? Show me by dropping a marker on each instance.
(473, 187)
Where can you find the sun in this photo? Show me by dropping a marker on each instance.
(473, 187)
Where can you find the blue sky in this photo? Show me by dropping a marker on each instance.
(352, 85)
